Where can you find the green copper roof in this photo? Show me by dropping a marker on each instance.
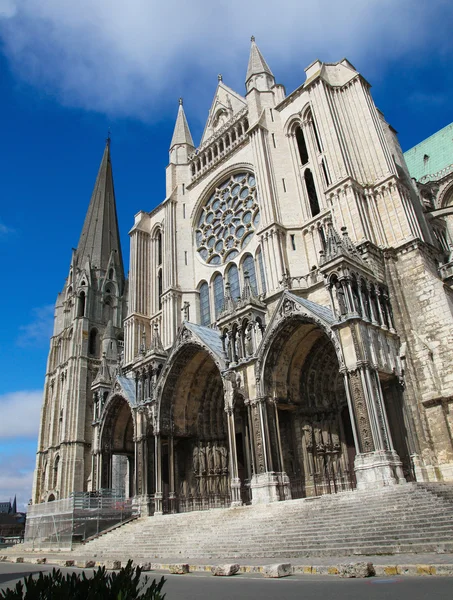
(432, 155)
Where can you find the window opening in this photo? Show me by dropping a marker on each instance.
(273, 140)
(159, 289)
(205, 312)
(324, 170)
(233, 280)
(284, 184)
(219, 297)
(302, 146)
(249, 266)
(293, 241)
(311, 191)
(262, 274)
(81, 307)
(159, 248)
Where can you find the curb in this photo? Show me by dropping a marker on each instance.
(415, 569)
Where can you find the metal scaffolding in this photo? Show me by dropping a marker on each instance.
(62, 523)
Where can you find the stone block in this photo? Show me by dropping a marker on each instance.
(407, 569)
(19, 559)
(145, 566)
(277, 570)
(179, 569)
(382, 570)
(39, 561)
(356, 570)
(112, 565)
(85, 564)
(426, 570)
(444, 570)
(225, 570)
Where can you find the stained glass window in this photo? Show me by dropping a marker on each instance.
(228, 219)
(249, 265)
(259, 255)
(218, 295)
(233, 280)
(205, 312)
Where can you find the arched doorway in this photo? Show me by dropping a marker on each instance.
(314, 441)
(194, 435)
(117, 446)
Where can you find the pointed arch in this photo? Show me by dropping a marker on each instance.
(233, 280)
(205, 308)
(248, 266)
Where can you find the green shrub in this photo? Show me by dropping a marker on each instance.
(124, 585)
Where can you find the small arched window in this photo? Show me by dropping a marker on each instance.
(233, 280)
(311, 191)
(205, 311)
(93, 342)
(55, 472)
(259, 256)
(159, 247)
(159, 289)
(219, 297)
(301, 146)
(81, 305)
(249, 266)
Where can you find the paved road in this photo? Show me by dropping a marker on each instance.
(199, 586)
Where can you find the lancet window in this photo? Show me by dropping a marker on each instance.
(205, 312)
(219, 297)
(249, 266)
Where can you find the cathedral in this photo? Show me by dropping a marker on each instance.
(286, 329)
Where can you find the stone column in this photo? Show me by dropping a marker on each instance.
(376, 464)
(171, 474)
(158, 496)
(235, 482)
(265, 481)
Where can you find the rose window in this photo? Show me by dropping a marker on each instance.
(228, 219)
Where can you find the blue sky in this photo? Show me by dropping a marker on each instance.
(69, 71)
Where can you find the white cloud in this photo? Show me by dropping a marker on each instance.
(20, 414)
(16, 484)
(123, 58)
(39, 330)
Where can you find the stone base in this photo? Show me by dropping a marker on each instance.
(378, 469)
(235, 486)
(265, 487)
(446, 472)
(141, 506)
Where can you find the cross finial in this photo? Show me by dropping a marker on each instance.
(219, 77)
(180, 102)
(252, 39)
(108, 137)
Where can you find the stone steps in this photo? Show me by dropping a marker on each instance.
(410, 518)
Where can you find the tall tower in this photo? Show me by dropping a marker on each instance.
(89, 312)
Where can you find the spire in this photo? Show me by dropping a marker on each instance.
(257, 64)
(181, 134)
(100, 233)
(103, 375)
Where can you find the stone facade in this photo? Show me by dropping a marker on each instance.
(289, 319)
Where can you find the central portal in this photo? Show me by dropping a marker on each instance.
(195, 456)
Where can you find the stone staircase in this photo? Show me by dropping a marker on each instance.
(411, 518)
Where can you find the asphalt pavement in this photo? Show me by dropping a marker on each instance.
(200, 586)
